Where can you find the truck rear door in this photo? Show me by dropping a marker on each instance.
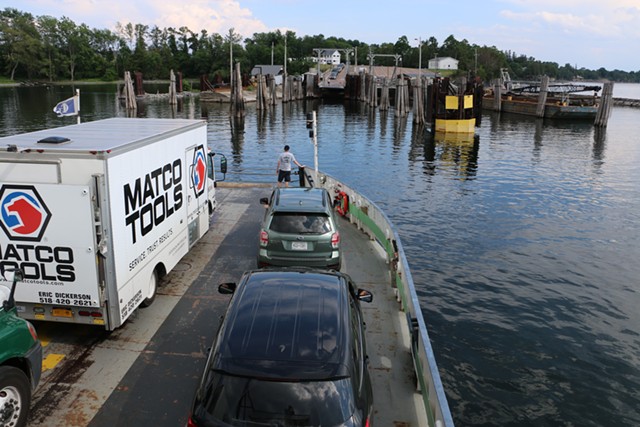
(47, 232)
(197, 202)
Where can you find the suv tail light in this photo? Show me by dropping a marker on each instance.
(335, 240)
(264, 238)
(32, 330)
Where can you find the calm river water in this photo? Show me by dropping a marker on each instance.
(524, 242)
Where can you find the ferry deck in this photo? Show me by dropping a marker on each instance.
(146, 372)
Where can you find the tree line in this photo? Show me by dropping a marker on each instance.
(44, 48)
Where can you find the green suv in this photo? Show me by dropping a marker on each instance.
(299, 229)
(20, 359)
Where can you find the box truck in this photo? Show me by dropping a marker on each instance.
(94, 214)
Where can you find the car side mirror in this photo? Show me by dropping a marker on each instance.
(365, 295)
(14, 276)
(227, 288)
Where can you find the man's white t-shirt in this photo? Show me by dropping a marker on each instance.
(286, 160)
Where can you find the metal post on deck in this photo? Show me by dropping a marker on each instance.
(312, 126)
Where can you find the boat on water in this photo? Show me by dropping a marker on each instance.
(575, 108)
(146, 371)
(564, 101)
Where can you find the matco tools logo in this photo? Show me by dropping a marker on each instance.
(199, 171)
(23, 213)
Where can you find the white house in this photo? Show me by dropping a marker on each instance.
(444, 63)
(328, 56)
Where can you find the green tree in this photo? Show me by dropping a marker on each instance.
(74, 42)
(48, 27)
(105, 45)
(20, 42)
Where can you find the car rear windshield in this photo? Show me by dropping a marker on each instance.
(300, 223)
(240, 401)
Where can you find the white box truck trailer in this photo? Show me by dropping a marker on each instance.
(95, 214)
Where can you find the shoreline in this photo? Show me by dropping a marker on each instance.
(76, 83)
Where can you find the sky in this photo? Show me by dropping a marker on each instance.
(588, 34)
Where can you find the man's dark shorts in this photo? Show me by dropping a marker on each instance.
(284, 176)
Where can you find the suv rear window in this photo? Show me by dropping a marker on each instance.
(300, 223)
(239, 401)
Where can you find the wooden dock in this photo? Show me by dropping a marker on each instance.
(626, 102)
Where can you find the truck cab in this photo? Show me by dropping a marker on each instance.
(20, 358)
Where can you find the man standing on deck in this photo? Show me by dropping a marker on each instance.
(283, 170)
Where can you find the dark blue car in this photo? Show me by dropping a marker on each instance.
(290, 352)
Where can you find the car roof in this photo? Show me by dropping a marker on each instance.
(297, 199)
(287, 324)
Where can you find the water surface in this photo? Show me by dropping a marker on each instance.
(523, 241)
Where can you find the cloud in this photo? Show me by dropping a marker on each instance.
(615, 19)
(214, 16)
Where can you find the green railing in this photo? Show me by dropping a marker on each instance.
(368, 217)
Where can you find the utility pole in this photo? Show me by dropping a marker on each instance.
(319, 52)
(285, 54)
(475, 70)
(419, 57)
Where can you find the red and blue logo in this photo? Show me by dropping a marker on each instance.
(199, 170)
(23, 213)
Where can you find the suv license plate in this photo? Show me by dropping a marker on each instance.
(299, 246)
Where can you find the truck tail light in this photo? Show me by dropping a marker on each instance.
(86, 313)
(264, 238)
(335, 240)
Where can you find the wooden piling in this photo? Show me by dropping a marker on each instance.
(542, 96)
(373, 92)
(402, 97)
(418, 102)
(604, 109)
(139, 86)
(297, 89)
(129, 95)
(285, 88)
(271, 83)
(237, 99)
(497, 97)
(384, 95)
(173, 98)
(399, 101)
(262, 96)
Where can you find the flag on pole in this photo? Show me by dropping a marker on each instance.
(68, 107)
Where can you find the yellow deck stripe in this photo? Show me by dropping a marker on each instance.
(51, 361)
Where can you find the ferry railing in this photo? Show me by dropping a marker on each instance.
(367, 216)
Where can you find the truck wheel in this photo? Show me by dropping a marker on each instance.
(153, 287)
(15, 397)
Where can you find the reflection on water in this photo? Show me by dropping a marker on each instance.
(523, 240)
